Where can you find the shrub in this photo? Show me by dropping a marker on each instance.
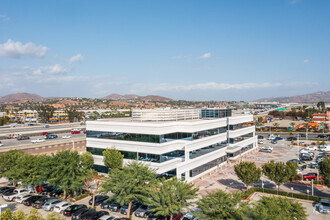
(298, 177)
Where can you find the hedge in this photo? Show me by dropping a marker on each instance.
(282, 193)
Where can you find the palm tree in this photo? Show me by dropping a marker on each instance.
(129, 184)
(292, 124)
(170, 197)
(276, 125)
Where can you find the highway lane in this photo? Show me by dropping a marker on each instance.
(15, 142)
(286, 135)
(38, 127)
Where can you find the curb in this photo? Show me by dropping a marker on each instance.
(308, 184)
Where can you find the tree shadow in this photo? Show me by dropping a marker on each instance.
(303, 189)
(232, 183)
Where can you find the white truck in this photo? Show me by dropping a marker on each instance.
(17, 192)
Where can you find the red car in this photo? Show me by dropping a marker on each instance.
(310, 176)
(44, 133)
(75, 132)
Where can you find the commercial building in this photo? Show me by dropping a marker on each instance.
(186, 143)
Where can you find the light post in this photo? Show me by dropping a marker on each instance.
(73, 144)
(312, 187)
(277, 189)
(292, 192)
(308, 194)
(262, 185)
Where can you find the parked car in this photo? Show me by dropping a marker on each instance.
(260, 137)
(78, 213)
(310, 176)
(98, 199)
(324, 206)
(60, 207)
(56, 192)
(29, 201)
(260, 141)
(306, 157)
(106, 204)
(291, 139)
(278, 139)
(142, 211)
(40, 202)
(321, 136)
(22, 137)
(109, 217)
(266, 149)
(84, 214)
(94, 215)
(47, 190)
(302, 135)
(44, 133)
(16, 192)
(1, 144)
(38, 140)
(72, 209)
(8, 192)
(21, 198)
(273, 141)
(50, 205)
(115, 207)
(311, 148)
(66, 136)
(299, 162)
(5, 188)
(124, 208)
(75, 132)
(313, 165)
(325, 148)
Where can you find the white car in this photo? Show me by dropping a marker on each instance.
(324, 148)
(311, 148)
(60, 207)
(66, 136)
(1, 144)
(21, 198)
(16, 192)
(106, 217)
(38, 140)
(51, 204)
(260, 142)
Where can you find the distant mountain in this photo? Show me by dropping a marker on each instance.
(308, 98)
(117, 97)
(21, 96)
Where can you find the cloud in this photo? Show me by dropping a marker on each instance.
(76, 58)
(56, 69)
(17, 49)
(4, 17)
(306, 61)
(206, 56)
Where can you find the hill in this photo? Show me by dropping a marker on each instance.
(21, 96)
(118, 97)
(307, 98)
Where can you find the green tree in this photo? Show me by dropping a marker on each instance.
(131, 183)
(324, 168)
(248, 172)
(7, 215)
(45, 112)
(220, 205)
(73, 114)
(170, 197)
(67, 171)
(55, 216)
(113, 159)
(279, 172)
(292, 124)
(34, 215)
(278, 208)
(87, 159)
(321, 106)
(19, 215)
(276, 125)
(9, 160)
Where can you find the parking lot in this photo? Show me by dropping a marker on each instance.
(26, 209)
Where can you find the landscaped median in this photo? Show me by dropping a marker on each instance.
(249, 192)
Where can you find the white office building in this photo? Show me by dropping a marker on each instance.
(187, 143)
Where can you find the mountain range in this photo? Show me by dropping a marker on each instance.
(117, 97)
(307, 98)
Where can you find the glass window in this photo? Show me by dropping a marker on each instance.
(206, 150)
(241, 125)
(240, 138)
(207, 166)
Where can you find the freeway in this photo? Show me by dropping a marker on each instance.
(15, 142)
(38, 127)
(311, 136)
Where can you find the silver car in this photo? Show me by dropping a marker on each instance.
(50, 205)
(324, 206)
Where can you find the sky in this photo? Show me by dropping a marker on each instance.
(182, 49)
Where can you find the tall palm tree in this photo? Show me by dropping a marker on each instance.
(171, 197)
(292, 124)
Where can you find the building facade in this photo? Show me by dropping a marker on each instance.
(186, 146)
